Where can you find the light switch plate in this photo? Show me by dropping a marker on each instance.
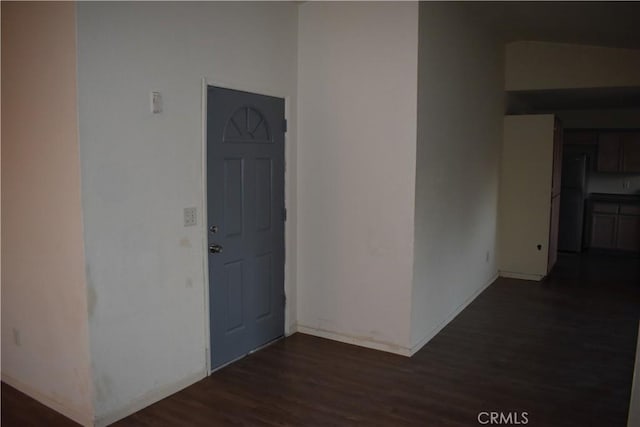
(190, 217)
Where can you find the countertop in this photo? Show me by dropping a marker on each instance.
(614, 198)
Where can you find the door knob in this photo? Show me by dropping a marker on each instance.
(215, 249)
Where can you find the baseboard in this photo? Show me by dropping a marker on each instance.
(349, 339)
(148, 399)
(421, 343)
(291, 329)
(80, 418)
(522, 276)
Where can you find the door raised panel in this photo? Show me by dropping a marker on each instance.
(233, 196)
(264, 183)
(264, 284)
(234, 288)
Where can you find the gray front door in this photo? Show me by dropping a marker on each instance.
(245, 202)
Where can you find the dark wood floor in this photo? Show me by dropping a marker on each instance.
(20, 410)
(562, 351)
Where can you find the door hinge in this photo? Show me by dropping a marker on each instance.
(284, 214)
(284, 125)
(284, 300)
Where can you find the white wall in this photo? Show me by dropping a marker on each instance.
(356, 170)
(525, 195)
(145, 271)
(534, 65)
(45, 347)
(460, 109)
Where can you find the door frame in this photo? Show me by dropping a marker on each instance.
(289, 226)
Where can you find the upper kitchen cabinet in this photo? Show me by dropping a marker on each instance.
(630, 148)
(619, 151)
(530, 183)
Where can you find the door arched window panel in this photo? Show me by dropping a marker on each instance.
(247, 124)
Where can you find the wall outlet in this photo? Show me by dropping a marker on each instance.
(487, 257)
(16, 337)
(190, 217)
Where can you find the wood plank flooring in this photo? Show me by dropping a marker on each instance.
(20, 410)
(562, 351)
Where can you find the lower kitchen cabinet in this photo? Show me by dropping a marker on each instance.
(603, 230)
(631, 152)
(615, 226)
(628, 233)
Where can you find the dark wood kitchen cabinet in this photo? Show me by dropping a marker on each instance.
(618, 151)
(630, 148)
(603, 230)
(615, 226)
(628, 233)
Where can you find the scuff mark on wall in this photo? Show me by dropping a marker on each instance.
(103, 388)
(92, 296)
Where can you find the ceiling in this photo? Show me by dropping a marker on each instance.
(607, 23)
(597, 23)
